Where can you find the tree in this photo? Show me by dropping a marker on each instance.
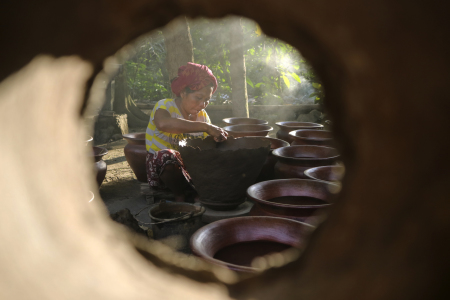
(237, 70)
(179, 49)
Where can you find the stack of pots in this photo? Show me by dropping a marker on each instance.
(136, 153)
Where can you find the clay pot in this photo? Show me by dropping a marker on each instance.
(331, 174)
(244, 121)
(235, 242)
(248, 130)
(311, 137)
(176, 219)
(100, 165)
(296, 199)
(267, 172)
(136, 153)
(286, 127)
(293, 161)
(222, 172)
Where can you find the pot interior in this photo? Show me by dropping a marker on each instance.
(236, 242)
(293, 193)
(274, 143)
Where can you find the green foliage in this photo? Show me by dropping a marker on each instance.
(274, 69)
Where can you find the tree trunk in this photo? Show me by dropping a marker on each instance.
(179, 48)
(123, 104)
(237, 69)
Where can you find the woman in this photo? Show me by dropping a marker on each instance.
(172, 120)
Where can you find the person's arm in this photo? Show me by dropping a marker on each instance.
(164, 122)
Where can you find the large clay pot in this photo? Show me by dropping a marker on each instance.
(248, 130)
(293, 161)
(311, 137)
(222, 172)
(136, 153)
(244, 121)
(296, 199)
(286, 127)
(235, 242)
(267, 171)
(331, 174)
(100, 165)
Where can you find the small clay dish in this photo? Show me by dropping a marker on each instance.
(244, 121)
(248, 130)
(235, 242)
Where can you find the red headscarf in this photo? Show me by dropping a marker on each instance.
(195, 77)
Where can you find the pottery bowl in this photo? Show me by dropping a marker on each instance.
(248, 130)
(332, 174)
(244, 121)
(297, 198)
(311, 137)
(137, 138)
(235, 242)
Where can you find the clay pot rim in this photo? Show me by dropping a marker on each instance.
(295, 125)
(275, 152)
(225, 221)
(294, 135)
(103, 152)
(266, 128)
(311, 170)
(230, 120)
(132, 137)
(268, 138)
(200, 212)
(270, 203)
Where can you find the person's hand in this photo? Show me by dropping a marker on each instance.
(218, 133)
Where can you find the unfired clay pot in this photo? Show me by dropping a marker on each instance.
(222, 172)
(286, 127)
(267, 172)
(244, 121)
(332, 174)
(293, 161)
(235, 242)
(311, 137)
(248, 130)
(100, 165)
(135, 154)
(296, 199)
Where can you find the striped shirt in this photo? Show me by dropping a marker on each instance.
(156, 140)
